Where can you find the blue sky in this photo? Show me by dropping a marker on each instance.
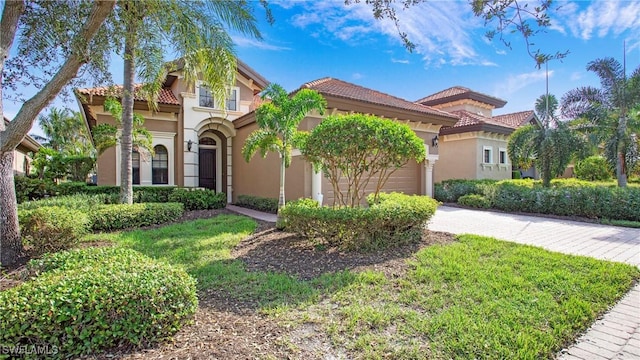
(314, 39)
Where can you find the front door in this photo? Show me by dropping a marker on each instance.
(207, 171)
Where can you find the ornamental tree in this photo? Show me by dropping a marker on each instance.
(356, 150)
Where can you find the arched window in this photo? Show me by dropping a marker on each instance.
(135, 167)
(207, 141)
(160, 165)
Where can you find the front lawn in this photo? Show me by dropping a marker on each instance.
(473, 298)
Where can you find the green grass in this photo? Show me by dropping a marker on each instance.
(475, 298)
(623, 223)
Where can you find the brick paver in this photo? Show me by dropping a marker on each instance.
(617, 334)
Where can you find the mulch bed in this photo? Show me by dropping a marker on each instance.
(226, 328)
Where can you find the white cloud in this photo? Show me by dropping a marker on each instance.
(399, 61)
(600, 18)
(246, 42)
(501, 52)
(357, 76)
(441, 30)
(575, 76)
(514, 83)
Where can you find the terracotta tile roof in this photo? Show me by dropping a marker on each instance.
(469, 118)
(459, 93)
(456, 90)
(515, 120)
(343, 89)
(165, 96)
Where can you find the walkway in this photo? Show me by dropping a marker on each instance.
(617, 334)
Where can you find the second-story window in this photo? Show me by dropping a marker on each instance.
(206, 98)
(232, 100)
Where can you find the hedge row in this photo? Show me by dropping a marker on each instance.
(390, 220)
(566, 198)
(88, 300)
(268, 205)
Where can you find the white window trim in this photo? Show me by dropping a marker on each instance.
(484, 149)
(217, 105)
(505, 164)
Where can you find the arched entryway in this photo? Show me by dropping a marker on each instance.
(209, 161)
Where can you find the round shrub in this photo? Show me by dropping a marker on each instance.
(593, 168)
(84, 301)
(198, 199)
(53, 228)
(391, 219)
(475, 201)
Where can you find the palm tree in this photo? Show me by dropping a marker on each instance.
(603, 113)
(278, 122)
(549, 146)
(197, 31)
(65, 132)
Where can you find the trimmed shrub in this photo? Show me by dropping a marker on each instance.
(32, 189)
(88, 300)
(78, 201)
(475, 201)
(392, 219)
(122, 216)
(269, 205)
(53, 228)
(155, 194)
(593, 168)
(451, 190)
(516, 174)
(198, 199)
(71, 188)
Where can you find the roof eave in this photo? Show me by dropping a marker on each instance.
(477, 127)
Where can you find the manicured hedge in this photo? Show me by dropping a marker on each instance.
(564, 197)
(269, 205)
(390, 220)
(122, 216)
(32, 189)
(85, 301)
(78, 201)
(474, 200)
(53, 228)
(451, 190)
(198, 199)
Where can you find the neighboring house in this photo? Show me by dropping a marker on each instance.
(476, 146)
(198, 141)
(192, 132)
(21, 155)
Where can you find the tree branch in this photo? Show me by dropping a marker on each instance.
(23, 121)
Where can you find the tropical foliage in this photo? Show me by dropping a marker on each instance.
(196, 31)
(53, 41)
(278, 122)
(549, 146)
(607, 116)
(360, 149)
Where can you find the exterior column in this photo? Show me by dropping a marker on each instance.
(229, 173)
(316, 186)
(429, 162)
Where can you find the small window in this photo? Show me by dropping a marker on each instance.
(206, 99)
(232, 101)
(503, 156)
(160, 165)
(487, 155)
(135, 167)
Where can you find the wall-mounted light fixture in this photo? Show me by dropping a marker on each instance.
(434, 141)
(189, 145)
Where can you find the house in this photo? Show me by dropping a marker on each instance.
(475, 147)
(198, 141)
(21, 155)
(192, 132)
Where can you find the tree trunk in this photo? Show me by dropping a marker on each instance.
(10, 242)
(620, 160)
(126, 140)
(12, 135)
(282, 168)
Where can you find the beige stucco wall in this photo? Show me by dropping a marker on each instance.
(20, 162)
(461, 157)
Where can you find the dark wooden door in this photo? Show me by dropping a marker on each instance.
(207, 171)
